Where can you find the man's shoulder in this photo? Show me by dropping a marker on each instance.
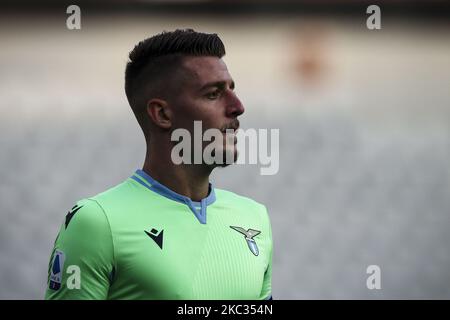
(238, 200)
(115, 193)
(104, 208)
(116, 196)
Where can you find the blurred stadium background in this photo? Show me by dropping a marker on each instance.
(364, 119)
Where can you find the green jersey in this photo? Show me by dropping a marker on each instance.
(141, 240)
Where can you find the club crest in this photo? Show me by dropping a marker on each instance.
(249, 235)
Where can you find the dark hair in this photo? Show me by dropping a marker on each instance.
(153, 61)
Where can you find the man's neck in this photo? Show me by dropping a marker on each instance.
(191, 181)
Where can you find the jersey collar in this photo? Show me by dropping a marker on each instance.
(197, 207)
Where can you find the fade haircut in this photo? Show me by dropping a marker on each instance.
(153, 62)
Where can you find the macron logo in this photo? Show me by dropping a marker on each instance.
(157, 237)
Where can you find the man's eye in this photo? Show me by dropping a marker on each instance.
(213, 95)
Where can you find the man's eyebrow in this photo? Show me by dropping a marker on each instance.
(219, 84)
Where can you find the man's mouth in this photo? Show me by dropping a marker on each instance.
(231, 127)
(230, 132)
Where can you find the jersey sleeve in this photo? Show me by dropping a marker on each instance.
(82, 261)
(266, 291)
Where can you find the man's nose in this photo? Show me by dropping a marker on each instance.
(234, 106)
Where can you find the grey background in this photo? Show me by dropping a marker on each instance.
(364, 173)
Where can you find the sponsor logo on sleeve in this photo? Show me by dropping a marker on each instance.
(56, 270)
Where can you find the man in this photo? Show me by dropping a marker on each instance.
(166, 232)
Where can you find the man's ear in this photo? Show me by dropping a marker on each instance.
(159, 113)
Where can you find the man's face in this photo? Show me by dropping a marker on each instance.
(207, 94)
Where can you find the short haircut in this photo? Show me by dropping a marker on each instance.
(154, 61)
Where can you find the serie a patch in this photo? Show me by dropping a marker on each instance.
(56, 271)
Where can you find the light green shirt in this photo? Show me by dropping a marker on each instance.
(140, 240)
